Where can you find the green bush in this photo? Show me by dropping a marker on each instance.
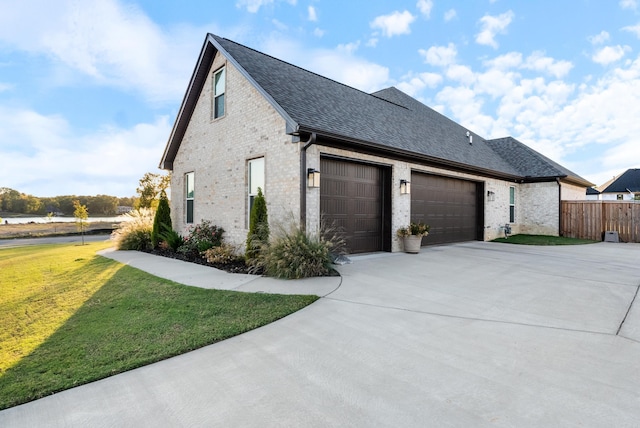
(225, 253)
(162, 217)
(258, 234)
(200, 238)
(134, 233)
(170, 238)
(294, 253)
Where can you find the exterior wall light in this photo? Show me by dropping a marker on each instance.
(405, 187)
(313, 178)
(491, 195)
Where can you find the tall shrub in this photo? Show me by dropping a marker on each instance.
(163, 216)
(258, 227)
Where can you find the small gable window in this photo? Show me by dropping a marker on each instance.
(189, 191)
(219, 86)
(619, 197)
(512, 204)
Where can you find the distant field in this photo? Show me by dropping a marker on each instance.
(34, 230)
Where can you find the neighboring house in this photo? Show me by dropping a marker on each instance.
(368, 163)
(626, 187)
(593, 194)
(123, 209)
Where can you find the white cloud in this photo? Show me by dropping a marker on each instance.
(490, 26)
(311, 14)
(112, 44)
(599, 39)
(506, 61)
(628, 4)
(5, 87)
(372, 42)
(439, 55)
(81, 164)
(349, 48)
(635, 29)
(318, 32)
(253, 6)
(425, 6)
(461, 74)
(609, 54)
(394, 24)
(450, 14)
(560, 119)
(539, 62)
(413, 84)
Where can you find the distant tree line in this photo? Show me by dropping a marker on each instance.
(100, 205)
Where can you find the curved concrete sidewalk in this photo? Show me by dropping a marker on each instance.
(475, 334)
(206, 277)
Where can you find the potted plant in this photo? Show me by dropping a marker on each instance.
(412, 236)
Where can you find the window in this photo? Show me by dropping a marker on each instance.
(512, 204)
(189, 194)
(218, 93)
(619, 197)
(256, 180)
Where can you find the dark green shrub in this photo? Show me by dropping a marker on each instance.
(258, 234)
(135, 232)
(295, 253)
(200, 238)
(170, 237)
(162, 217)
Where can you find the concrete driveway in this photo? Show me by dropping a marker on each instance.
(475, 334)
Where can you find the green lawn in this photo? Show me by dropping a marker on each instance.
(69, 317)
(543, 240)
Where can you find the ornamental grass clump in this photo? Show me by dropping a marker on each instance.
(134, 233)
(294, 253)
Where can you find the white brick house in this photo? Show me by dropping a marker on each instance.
(249, 120)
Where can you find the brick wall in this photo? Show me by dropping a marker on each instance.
(218, 151)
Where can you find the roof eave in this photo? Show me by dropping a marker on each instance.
(325, 138)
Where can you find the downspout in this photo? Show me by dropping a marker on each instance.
(303, 179)
(559, 206)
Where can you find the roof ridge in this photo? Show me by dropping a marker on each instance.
(292, 65)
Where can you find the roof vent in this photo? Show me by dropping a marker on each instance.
(470, 137)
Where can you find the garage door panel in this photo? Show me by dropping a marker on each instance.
(351, 198)
(447, 204)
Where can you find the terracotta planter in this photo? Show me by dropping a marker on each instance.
(412, 244)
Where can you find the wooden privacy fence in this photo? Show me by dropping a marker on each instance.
(590, 219)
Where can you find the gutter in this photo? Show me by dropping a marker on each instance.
(559, 206)
(303, 182)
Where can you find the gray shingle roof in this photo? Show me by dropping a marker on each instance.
(628, 181)
(387, 120)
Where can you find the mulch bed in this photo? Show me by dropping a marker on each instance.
(236, 267)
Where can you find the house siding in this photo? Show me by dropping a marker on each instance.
(537, 209)
(217, 152)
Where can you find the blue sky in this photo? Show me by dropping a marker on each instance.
(89, 89)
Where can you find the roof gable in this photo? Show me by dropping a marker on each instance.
(629, 181)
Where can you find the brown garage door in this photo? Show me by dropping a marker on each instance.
(448, 205)
(351, 199)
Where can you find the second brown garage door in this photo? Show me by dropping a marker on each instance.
(449, 205)
(352, 197)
